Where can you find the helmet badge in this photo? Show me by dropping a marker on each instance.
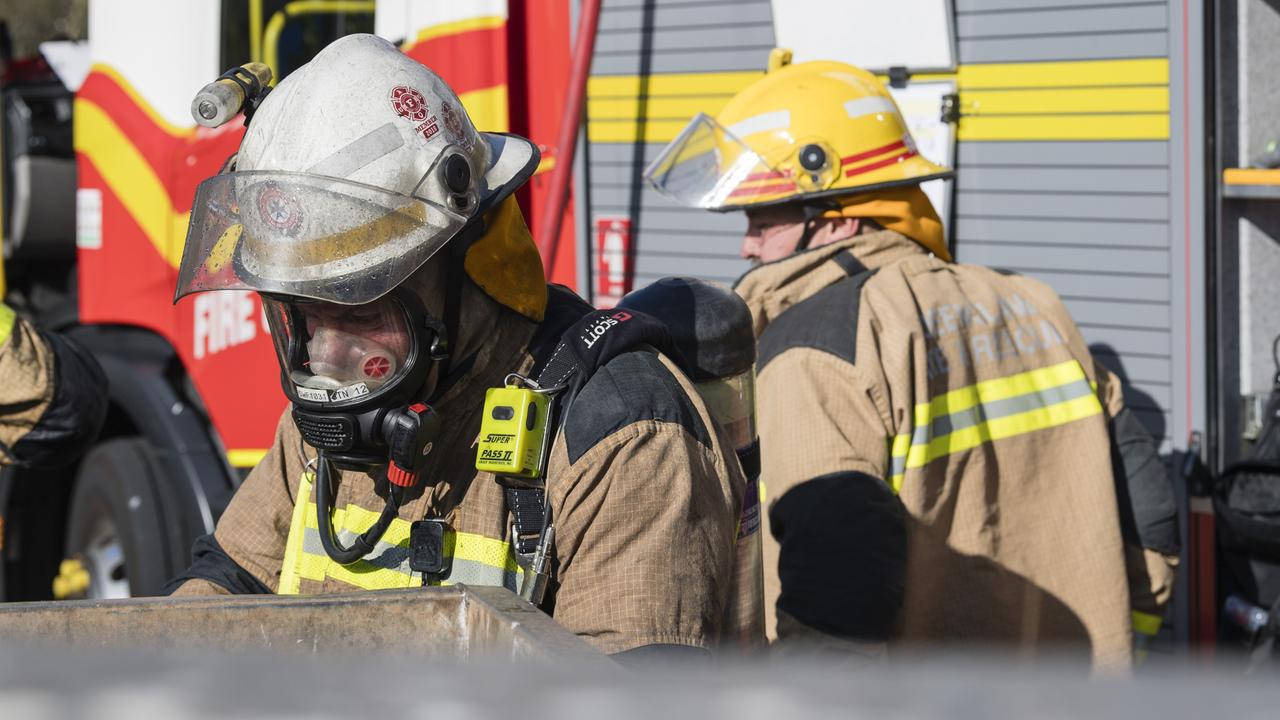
(412, 106)
(279, 209)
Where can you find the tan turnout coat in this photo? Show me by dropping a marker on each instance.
(26, 380)
(973, 392)
(644, 505)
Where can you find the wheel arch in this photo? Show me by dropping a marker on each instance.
(150, 396)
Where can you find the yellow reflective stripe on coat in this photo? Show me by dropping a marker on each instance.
(992, 410)
(1146, 623)
(7, 319)
(474, 559)
(1145, 628)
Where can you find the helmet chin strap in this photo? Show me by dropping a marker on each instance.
(812, 217)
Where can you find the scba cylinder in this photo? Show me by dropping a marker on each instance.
(711, 327)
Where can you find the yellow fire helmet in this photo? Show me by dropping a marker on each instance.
(810, 130)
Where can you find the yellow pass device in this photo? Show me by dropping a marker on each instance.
(513, 432)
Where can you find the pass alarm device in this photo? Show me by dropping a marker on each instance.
(513, 432)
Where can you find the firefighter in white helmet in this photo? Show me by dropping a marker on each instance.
(944, 459)
(401, 283)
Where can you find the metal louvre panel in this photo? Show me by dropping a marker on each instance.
(969, 6)
(1074, 233)
(1093, 20)
(1090, 215)
(1006, 31)
(689, 56)
(1076, 180)
(1076, 154)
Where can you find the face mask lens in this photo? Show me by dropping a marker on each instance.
(327, 347)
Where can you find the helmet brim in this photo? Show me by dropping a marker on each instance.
(942, 174)
(512, 161)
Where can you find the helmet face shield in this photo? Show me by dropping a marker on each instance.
(708, 167)
(308, 236)
(336, 353)
(732, 403)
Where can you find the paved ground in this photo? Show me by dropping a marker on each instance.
(116, 685)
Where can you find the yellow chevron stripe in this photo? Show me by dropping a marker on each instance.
(142, 103)
(484, 22)
(130, 178)
(487, 108)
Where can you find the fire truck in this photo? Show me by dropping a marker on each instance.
(1098, 148)
(101, 163)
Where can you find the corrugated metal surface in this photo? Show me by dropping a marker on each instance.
(654, 39)
(1090, 217)
(1071, 167)
(1008, 30)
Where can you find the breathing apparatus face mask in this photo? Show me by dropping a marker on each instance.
(331, 353)
(352, 370)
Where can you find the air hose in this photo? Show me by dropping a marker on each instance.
(368, 540)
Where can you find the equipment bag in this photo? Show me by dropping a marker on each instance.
(1246, 499)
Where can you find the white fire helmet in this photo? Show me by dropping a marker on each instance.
(355, 170)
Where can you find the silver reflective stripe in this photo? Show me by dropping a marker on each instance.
(986, 411)
(394, 557)
(384, 555)
(860, 107)
(961, 419)
(776, 120)
(470, 572)
(363, 150)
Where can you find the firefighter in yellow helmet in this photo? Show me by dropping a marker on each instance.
(400, 285)
(944, 459)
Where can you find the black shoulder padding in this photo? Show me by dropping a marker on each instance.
(842, 555)
(75, 413)
(564, 308)
(210, 562)
(1144, 491)
(631, 387)
(828, 321)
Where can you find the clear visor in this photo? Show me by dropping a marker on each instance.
(732, 402)
(333, 352)
(307, 236)
(706, 166)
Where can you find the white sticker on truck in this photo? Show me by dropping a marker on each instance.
(89, 219)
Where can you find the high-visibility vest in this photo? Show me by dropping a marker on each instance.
(474, 559)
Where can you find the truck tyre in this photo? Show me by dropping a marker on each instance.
(116, 526)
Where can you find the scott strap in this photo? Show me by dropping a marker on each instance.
(594, 340)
